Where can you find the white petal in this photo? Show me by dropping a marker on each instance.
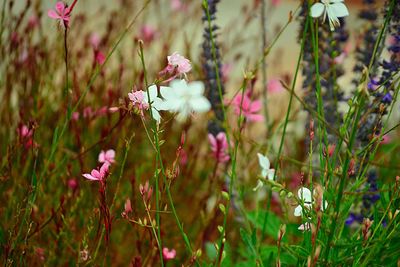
(166, 91)
(200, 104)
(336, 1)
(304, 194)
(271, 174)
(179, 87)
(156, 115)
(317, 10)
(152, 92)
(324, 205)
(339, 9)
(196, 88)
(298, 211)
(263, 161)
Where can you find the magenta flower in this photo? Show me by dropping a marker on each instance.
(249, 107)
(107, 156)
(61, 13)
(168, 254)
(98, 175)
(24, 131)
(219, 147)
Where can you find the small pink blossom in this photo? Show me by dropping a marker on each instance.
(148, 33)
(98, 175)
(179, 62)
(274, 86)
(226, 69)
(99, 57)
(61, 13)
(73, 184)
(94, 40)
(107, 156)
(75, 116)
(24, 131)
(168, 254)
(88, 112)
(276, 3)
(177, 5)
(137, 98)
(219, 147)
(249, 108)
(146, 191)
(127, 208)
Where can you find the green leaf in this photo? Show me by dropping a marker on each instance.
(272, 224)
(248, 241)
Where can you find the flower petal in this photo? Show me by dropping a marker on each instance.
(200, 104)
(90, 177)
(263, 161)
(196, 88)
(339, 9)
(52, 14)
(298, 211)
(317, 10)
(304, 194)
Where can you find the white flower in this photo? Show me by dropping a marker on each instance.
(333, 8)
(306, 198)
(155, 102)
(265, 164)
(184, 98)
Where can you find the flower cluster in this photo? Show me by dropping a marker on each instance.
(180, 97)
(219, 147)
(106, 158)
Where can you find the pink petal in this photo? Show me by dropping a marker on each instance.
(110, 154)
(90, 177)
(60, 7)
(95, 174)
(255, 117)
(255, 106)
(104, 169)
(102, 157)
(52, 14)
(212, 140)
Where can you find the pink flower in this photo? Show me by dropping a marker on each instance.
(137, 98)
(24, 131)
(226, 69)
(274, 86)
(127, 209)
(219, 147)
(107, 157)
(275, 3)
(75, 116)
(100, 57)
(128, 206)
(179, 62)
(146, 191)
(148, 33)
(73, 184)
(177, 5)
(94, 40)
(168, 254)
(249, 107)
(61, 12)
(98, 175)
